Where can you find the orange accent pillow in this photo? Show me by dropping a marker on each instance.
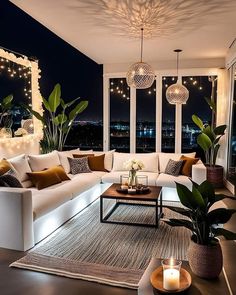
(187, 166)
(82, 155)
(60, 171)
(4, 166)
(96, 163)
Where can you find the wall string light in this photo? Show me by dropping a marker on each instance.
(177, 93)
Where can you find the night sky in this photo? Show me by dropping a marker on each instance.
(59, 62)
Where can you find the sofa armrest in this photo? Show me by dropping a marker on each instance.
(16, 219)
(199, 173)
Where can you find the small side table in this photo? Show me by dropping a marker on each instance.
(199, 286)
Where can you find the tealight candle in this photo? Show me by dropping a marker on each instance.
(123, 186)
(171, 274)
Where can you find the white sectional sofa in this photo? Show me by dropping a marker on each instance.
(28, 215)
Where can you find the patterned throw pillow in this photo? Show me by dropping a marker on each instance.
(174, 167)
(79, 165)
(9, 179)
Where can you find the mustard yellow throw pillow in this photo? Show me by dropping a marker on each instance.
(187, 166)
(96, 163)
(48, 177)
(4, 166)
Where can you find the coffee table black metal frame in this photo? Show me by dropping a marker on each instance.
(155, 197)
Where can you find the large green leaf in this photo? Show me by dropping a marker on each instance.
(55, 98)
(220, 130)
(220, 197)
(69, 104)
(204, 141)
(229, 235)
(46, 104)
(78, 109)
(207, 191)
(198, 121)
(220, 215)
(186, 196)
(209, 132)
(198, 199)
(7, 100)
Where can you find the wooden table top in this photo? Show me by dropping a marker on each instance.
(112, 193)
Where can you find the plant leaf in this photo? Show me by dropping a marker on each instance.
(220, 215)
(78, 109)
(180, 222)
(55, 98)
(7, 100)
(46, 104)
(229, 235)
(69, 104)
(216, 149)
(198, 197)
(220, 130)
(204, 141)
(209, 132)
(211, 103)
(207, 191)
(185, 196)
(198, 121)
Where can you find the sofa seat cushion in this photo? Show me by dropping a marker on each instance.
(99, 174)
(46, 200)
(81, 182)
(167, 180)
(114, 176)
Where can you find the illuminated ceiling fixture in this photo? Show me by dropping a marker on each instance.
(140, 75)
(177, 93)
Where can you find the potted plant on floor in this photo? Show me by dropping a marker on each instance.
(204, 253)
(208, 140)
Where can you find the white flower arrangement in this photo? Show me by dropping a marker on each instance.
(20, 132)
(133, 164)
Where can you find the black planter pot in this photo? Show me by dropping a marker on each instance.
(215, 175)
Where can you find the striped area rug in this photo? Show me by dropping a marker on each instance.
(113, 254)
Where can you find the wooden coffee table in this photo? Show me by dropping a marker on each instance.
(154, 196)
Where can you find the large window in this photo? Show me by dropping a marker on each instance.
(119, 115)
(168, 118)
(146, 119)
(200, 88)
(232, 141)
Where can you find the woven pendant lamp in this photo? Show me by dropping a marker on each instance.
(140, 75)
(177, 93)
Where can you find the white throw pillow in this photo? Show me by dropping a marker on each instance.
(41, 162)
(108, 160)
(21, 165)
(150, 161)
(165, 157)
(63, 156)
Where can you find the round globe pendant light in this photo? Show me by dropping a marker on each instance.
(140, 75)
(177, 93)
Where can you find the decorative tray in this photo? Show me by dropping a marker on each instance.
(157, 281)
(138, 191)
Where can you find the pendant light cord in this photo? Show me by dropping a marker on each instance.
(141, 44)
(177, 65)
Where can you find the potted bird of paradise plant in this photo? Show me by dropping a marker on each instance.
(203, 220)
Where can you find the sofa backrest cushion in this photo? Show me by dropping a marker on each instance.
(41, 162)
(150, 161)
(165, 157)
(21, 165)
(63, 156)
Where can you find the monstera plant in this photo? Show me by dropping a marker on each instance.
(204, 219)
(57, 119)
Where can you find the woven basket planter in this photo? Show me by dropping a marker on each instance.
(215, 175)
(205, 261)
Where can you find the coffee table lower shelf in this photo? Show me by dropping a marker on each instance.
(142, 202)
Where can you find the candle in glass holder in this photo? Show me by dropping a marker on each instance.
(171, 274)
